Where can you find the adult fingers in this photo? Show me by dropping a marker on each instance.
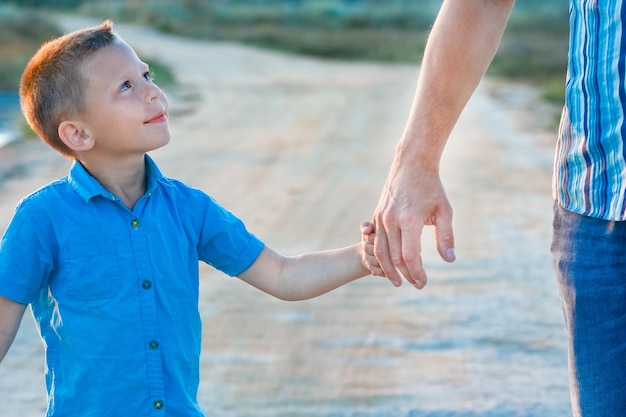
(372, 264)
(392, 259)
(410, 263)
(381, 251)
(405, 246)
(444, 236)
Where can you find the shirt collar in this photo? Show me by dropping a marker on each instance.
(88, 187)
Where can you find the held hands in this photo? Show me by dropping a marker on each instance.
(367, 254)
(409, 202)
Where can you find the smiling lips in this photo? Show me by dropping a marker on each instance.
(161, 117)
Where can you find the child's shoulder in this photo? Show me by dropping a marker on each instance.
(46, 202)
(45, 194)
(187, 194)
(173, 185)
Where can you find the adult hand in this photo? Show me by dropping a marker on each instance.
(410, 201)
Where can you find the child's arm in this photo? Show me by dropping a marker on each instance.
(305, 276)
(10, 318)
(312, 274)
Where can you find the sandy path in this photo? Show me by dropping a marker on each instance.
(299, 149)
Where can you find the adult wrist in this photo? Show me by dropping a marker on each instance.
(415, 153)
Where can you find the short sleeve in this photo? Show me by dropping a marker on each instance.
(225, 243)
(26, 255)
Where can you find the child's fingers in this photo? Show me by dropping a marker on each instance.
(372, 264)
(368, 237)
(367, 228)
(377, 271)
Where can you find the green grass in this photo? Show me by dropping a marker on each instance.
(554, 90)
(535, 49)
(161, 73)
(370, 44)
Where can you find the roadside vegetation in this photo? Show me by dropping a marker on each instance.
(534, 48)
(21, 33)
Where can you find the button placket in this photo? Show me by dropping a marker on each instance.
(155, 378)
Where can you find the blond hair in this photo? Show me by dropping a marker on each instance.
(52, 88)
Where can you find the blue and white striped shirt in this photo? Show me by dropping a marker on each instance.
(590, 162)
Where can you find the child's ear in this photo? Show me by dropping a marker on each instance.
(75, 135)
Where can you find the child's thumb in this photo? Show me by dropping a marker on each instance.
(367, 228)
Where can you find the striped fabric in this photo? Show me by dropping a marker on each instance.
(590, 162)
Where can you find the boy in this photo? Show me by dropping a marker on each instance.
(108, 256)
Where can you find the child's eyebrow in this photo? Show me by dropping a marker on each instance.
(126, 73)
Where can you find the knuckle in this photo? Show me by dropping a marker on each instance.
(379, 252)
(407, 217)
(447, 237)
(410, 256)
(389, 218)
(396, 258)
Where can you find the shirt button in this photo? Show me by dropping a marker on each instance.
(153, 344)
(135, 223)
(146, 285)
(158, 404)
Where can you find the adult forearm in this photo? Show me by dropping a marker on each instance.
(462, 44)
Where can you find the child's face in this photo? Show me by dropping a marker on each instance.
(126, 113)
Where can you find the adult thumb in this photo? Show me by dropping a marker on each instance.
(445, 239)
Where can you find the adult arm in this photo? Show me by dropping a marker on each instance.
(10, 318)
(461, 45)
(305, 276)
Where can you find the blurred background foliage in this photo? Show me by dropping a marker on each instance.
(21, 32)
(534, 48)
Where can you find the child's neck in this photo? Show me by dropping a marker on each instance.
(124, 178)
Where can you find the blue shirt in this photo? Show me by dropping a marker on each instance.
(114, 292)
(590, 163)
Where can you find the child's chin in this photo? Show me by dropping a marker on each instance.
(163, 141)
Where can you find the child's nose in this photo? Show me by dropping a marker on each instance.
(154, 93)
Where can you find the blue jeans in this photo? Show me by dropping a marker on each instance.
(590, 259)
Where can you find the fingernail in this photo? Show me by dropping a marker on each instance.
(451, 254)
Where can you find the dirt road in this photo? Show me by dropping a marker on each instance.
(299, 148)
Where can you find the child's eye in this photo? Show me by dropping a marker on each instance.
(125, 86)
(148, 76)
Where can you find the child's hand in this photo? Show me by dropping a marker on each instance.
(369, 260)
